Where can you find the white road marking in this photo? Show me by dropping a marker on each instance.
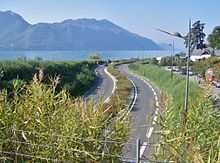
(156, 98)
(135, 96)
(157, 110)
(114, 84)
(150, 131)
(134, 100)
(155, 120)
(157, 103)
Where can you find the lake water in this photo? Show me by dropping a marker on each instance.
(80, 55)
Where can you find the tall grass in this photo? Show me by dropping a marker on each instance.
(38, 125)
(198, 140)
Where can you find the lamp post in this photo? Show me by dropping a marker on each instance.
(188, 39)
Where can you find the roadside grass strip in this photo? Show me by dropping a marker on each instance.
(198, 139)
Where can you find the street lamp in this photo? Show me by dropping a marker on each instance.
(175, 34)
(186, 38)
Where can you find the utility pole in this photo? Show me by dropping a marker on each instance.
(186, 99)
(194, 39)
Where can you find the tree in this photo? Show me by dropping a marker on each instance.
(214, 38)
(201, 66)
(197, 36)
(165, 61)
(154, 61)
(95, 56)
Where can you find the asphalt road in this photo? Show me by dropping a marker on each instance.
(102, 89)
(141, 116)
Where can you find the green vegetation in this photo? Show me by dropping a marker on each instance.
(197, 38)
(42, 122)
(48, 126)
(214, 38)
(124, 61)
(76, 77)
(177, 61)
(95, 57)
(154, 61)
(124, 86)
(201, 66)
(197, 140)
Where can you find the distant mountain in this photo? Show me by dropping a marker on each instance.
(80, 34)
(11, 26)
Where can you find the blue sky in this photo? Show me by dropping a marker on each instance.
(139, 16)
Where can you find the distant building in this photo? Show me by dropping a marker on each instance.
(199, 57)
(201, 54)
(159, 59)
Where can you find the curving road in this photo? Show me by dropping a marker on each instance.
(141, 114)
(103, 87)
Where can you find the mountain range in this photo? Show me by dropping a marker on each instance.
(80, 34)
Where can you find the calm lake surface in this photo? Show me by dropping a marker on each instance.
(80, 55)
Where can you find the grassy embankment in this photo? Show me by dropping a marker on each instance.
(40, 124)
(199, 139)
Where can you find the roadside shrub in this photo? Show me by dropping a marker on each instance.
(78, 76)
